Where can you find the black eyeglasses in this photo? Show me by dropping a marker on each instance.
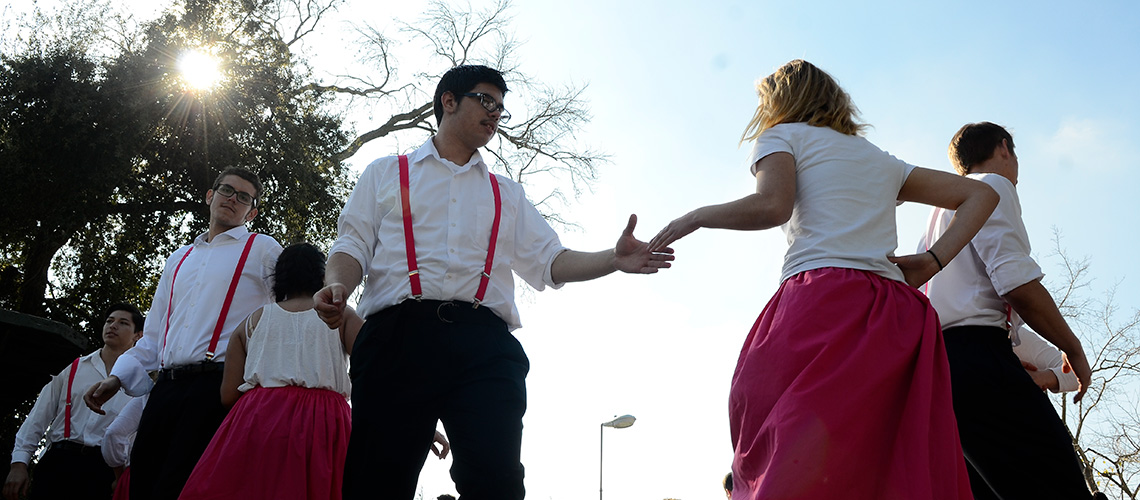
(491, 105)
(227, 190)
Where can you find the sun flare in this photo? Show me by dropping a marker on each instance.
(199, 69)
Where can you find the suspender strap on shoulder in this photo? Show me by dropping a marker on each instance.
(229, 298)
(485, 277)
(170, 306)
(409, 238)
(67, 409)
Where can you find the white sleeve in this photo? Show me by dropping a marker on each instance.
(1035, 350)
(120, 435)
(1003, 244)
(36, 424)
(358, 225)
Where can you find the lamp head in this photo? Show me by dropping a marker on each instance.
(621, 422)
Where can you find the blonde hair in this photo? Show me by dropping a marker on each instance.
(801, 92)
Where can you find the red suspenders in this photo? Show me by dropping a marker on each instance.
(67, 409)
(210, 352)
(409, 238)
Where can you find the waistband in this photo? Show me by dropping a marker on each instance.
(190, 370)
(444, 311)
(979, 333)
(76, 447)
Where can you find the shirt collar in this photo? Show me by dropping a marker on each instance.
(236, 233)
(428, 149)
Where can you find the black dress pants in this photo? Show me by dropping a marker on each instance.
(417, 363)
(70, 470)
(179, 420)
(1014, 442)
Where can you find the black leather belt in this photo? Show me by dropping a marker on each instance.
(190, 370)
(75, 447)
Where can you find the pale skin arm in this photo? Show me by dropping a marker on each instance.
(16, 486)
(234, 374)
(769, 207)
(629, 255)
(350, 328)
(972, 201)
(342, 275)
(1034, 304)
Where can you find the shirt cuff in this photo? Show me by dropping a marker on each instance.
(1066, 382)
(1011, 274)
(21, 457)
(547, 277)
(132, 376)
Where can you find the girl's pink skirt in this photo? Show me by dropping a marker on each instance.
(276, 443)
(123, 485)
(842, 390)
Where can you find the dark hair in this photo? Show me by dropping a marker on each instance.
(244, 174)
(974, 144)
(300, 270)
(727, 482)
(461, 79)
(136, 315)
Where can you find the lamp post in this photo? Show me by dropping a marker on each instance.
(618, 423)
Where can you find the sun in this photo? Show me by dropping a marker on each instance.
(199, 69)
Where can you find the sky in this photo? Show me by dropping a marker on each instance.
(670, 88)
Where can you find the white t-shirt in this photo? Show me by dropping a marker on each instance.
(846, 193)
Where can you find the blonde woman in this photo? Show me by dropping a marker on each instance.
(842, 388)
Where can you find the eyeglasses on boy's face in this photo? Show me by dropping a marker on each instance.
(227, 190)
(491, 105)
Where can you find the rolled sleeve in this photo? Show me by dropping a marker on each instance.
(358, 224)
(1003, 244)
(36, 423)
(536, 246)
(132, 375)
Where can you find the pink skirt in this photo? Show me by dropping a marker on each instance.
(276, 443)
(842, 390)
(123, 485)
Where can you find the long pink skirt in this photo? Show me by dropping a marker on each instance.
(842, 390)
(276, 443)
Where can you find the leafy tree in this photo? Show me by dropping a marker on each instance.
(1105, 424)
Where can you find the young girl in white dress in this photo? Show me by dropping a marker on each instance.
(287, 435)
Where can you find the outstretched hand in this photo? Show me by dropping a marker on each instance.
(329, 304)
(635, 256)
(673, 231)
(916, 268)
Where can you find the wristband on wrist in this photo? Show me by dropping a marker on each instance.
(936, 260)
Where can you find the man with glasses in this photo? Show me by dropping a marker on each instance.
(207, 288)
(438, 237)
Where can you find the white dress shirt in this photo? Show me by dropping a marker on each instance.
(452, 210)
(120, 436)
(199, 291)
(48, 414)
(969, 290)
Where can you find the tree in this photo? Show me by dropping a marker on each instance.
(112, 156)
(1105, 425)
(538, 148)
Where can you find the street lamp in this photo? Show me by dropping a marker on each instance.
(618, 423)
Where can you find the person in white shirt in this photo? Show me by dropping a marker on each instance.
(207, 288)
(118, 442)
(983, 293)
(439, 301)
(72, 466)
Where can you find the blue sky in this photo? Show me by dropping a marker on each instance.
(670, 89)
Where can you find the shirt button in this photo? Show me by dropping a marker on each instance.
(452, 224)
(448, 276)
(452, 250)
(453, 200)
